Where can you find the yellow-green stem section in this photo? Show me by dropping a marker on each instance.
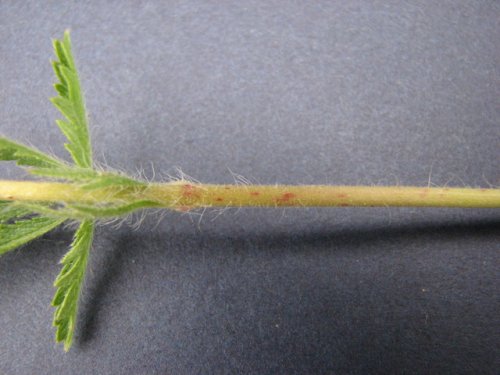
(184, 195)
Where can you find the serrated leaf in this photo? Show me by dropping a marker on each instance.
(17, 228)
(113, 210)
(66, 173)
(71, 104)
(10, 210)
(104, 180)
(89, 178)
(26, 156)
(69, 283)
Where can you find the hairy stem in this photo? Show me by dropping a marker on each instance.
(182, 195)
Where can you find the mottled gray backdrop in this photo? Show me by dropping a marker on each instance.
(340, 92)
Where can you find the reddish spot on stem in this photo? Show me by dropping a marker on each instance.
(254, 193)
(285, 198)
(190, 191)
(424, 193)
(227, 187)
(219, 199)
(344, 204)
(342, 195)
(483, 190)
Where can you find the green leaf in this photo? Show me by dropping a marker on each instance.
(66, 173)
(113, 210)
(71, 104)
(18, 228)
(107, 179)
(69, 283)
(89, 178)
(10, 210)
(26, 156)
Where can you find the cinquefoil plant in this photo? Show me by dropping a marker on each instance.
(78, 192)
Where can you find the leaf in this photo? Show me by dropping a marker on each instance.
(69, 283)
(113, 210)
(66, 173)
(89, 178)
(17, 228)
(10, 210)
(71, 104)
(106, 179)
(26, 156)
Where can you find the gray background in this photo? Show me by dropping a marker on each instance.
(340, 92)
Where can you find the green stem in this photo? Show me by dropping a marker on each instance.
(182, 195)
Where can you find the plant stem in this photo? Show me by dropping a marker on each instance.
(182, 195)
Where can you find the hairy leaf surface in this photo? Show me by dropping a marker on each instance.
(71, 104)
(107, 179)
(89, 178)
(69, 283)
(26, 156)
(66, 173)
(18, 228)
(113, 210)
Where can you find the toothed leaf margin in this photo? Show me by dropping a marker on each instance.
(26, 156)
(69, 283)
(70, 103)
(18, 226)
